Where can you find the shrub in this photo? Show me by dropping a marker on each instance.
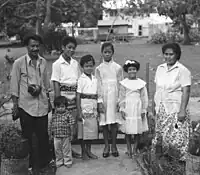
(194, 35)
(158, 38)
(12, 144)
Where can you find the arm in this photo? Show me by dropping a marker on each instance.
(100, 106)
(78, 100)
(78, 104)
(99, 86)
(122, 96)
(144, 99)
(185, 81)
(185, 98)
(55, 77)
(15, 83)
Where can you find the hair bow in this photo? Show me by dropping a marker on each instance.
(129, 62)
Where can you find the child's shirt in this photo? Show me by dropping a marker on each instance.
(61, 123)
(88, 89)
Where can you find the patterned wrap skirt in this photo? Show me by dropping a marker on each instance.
(173, 134)
(88, 128)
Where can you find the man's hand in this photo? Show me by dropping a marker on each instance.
(123, 115)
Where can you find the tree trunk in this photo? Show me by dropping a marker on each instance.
(38, 21)
(47, 19)
(186, 30)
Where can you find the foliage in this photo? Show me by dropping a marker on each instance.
(53, 38)
(194, 35)
(12, 145)
(178, 10)
(172, 35)
(194, 144)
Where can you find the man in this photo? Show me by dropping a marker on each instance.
(29, 90)
(65, 74)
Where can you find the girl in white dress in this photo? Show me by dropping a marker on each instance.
(133, 103)
(109, 74)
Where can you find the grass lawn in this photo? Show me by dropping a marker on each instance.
(143, 52)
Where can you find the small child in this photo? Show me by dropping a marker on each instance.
(87, 97)
(109, 74)
(133, 103)
(62, 127)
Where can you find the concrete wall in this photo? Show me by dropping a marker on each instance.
(117, 29)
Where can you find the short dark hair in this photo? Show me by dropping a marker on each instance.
(86, 59)
(68, 39)
(131, 63)
(35, 37)
(175, 47)
(107, 44)
(60, 100)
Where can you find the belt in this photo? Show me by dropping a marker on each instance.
(89, 96)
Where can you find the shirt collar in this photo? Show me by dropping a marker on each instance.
(39, 60)
(110, 62)
(63, 61)
(85, 76)
(176, 65)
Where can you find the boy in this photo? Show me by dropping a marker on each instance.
(62, 129)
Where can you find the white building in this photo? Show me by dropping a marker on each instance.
(140, 26)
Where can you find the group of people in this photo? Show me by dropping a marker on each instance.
(82, 101)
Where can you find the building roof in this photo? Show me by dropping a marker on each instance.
(110, 22)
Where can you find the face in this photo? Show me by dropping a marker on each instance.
(107, 53)
(69, 49)
(132, 72)
(88, 68)
(170, 57)
(61, 109)
(33, 48)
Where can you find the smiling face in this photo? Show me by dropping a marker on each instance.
(132, 72)
(170, 57)
(33, 48)
(69, 50)
(107, 53)
(88, 67)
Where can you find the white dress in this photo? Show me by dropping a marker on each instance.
(133, 100)
(109, 74)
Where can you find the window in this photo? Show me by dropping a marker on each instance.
(140, 30)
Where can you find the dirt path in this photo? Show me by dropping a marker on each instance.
(103, 166)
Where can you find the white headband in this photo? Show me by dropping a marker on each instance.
(129, 62)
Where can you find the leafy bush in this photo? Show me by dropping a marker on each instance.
(194, 35)
(170, 36)
(12, 145)
(53, 39)
(158, 38)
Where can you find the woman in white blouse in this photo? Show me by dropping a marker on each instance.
(173, 81)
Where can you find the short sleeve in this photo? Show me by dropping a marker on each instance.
(55, 76)
(155, 78)
(79, 86)
(185, 77)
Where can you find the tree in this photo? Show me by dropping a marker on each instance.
(178, 10)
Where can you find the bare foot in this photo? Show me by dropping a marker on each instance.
(85, 156)
(91, 155)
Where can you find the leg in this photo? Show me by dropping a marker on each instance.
(67, 152)
(84, 151)
(41, 131)
(105, 136)
(58, 151)
(128, 142)
(114, 128)
(75, 154)
(89, 152)
(27, 125)
(136, 139)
